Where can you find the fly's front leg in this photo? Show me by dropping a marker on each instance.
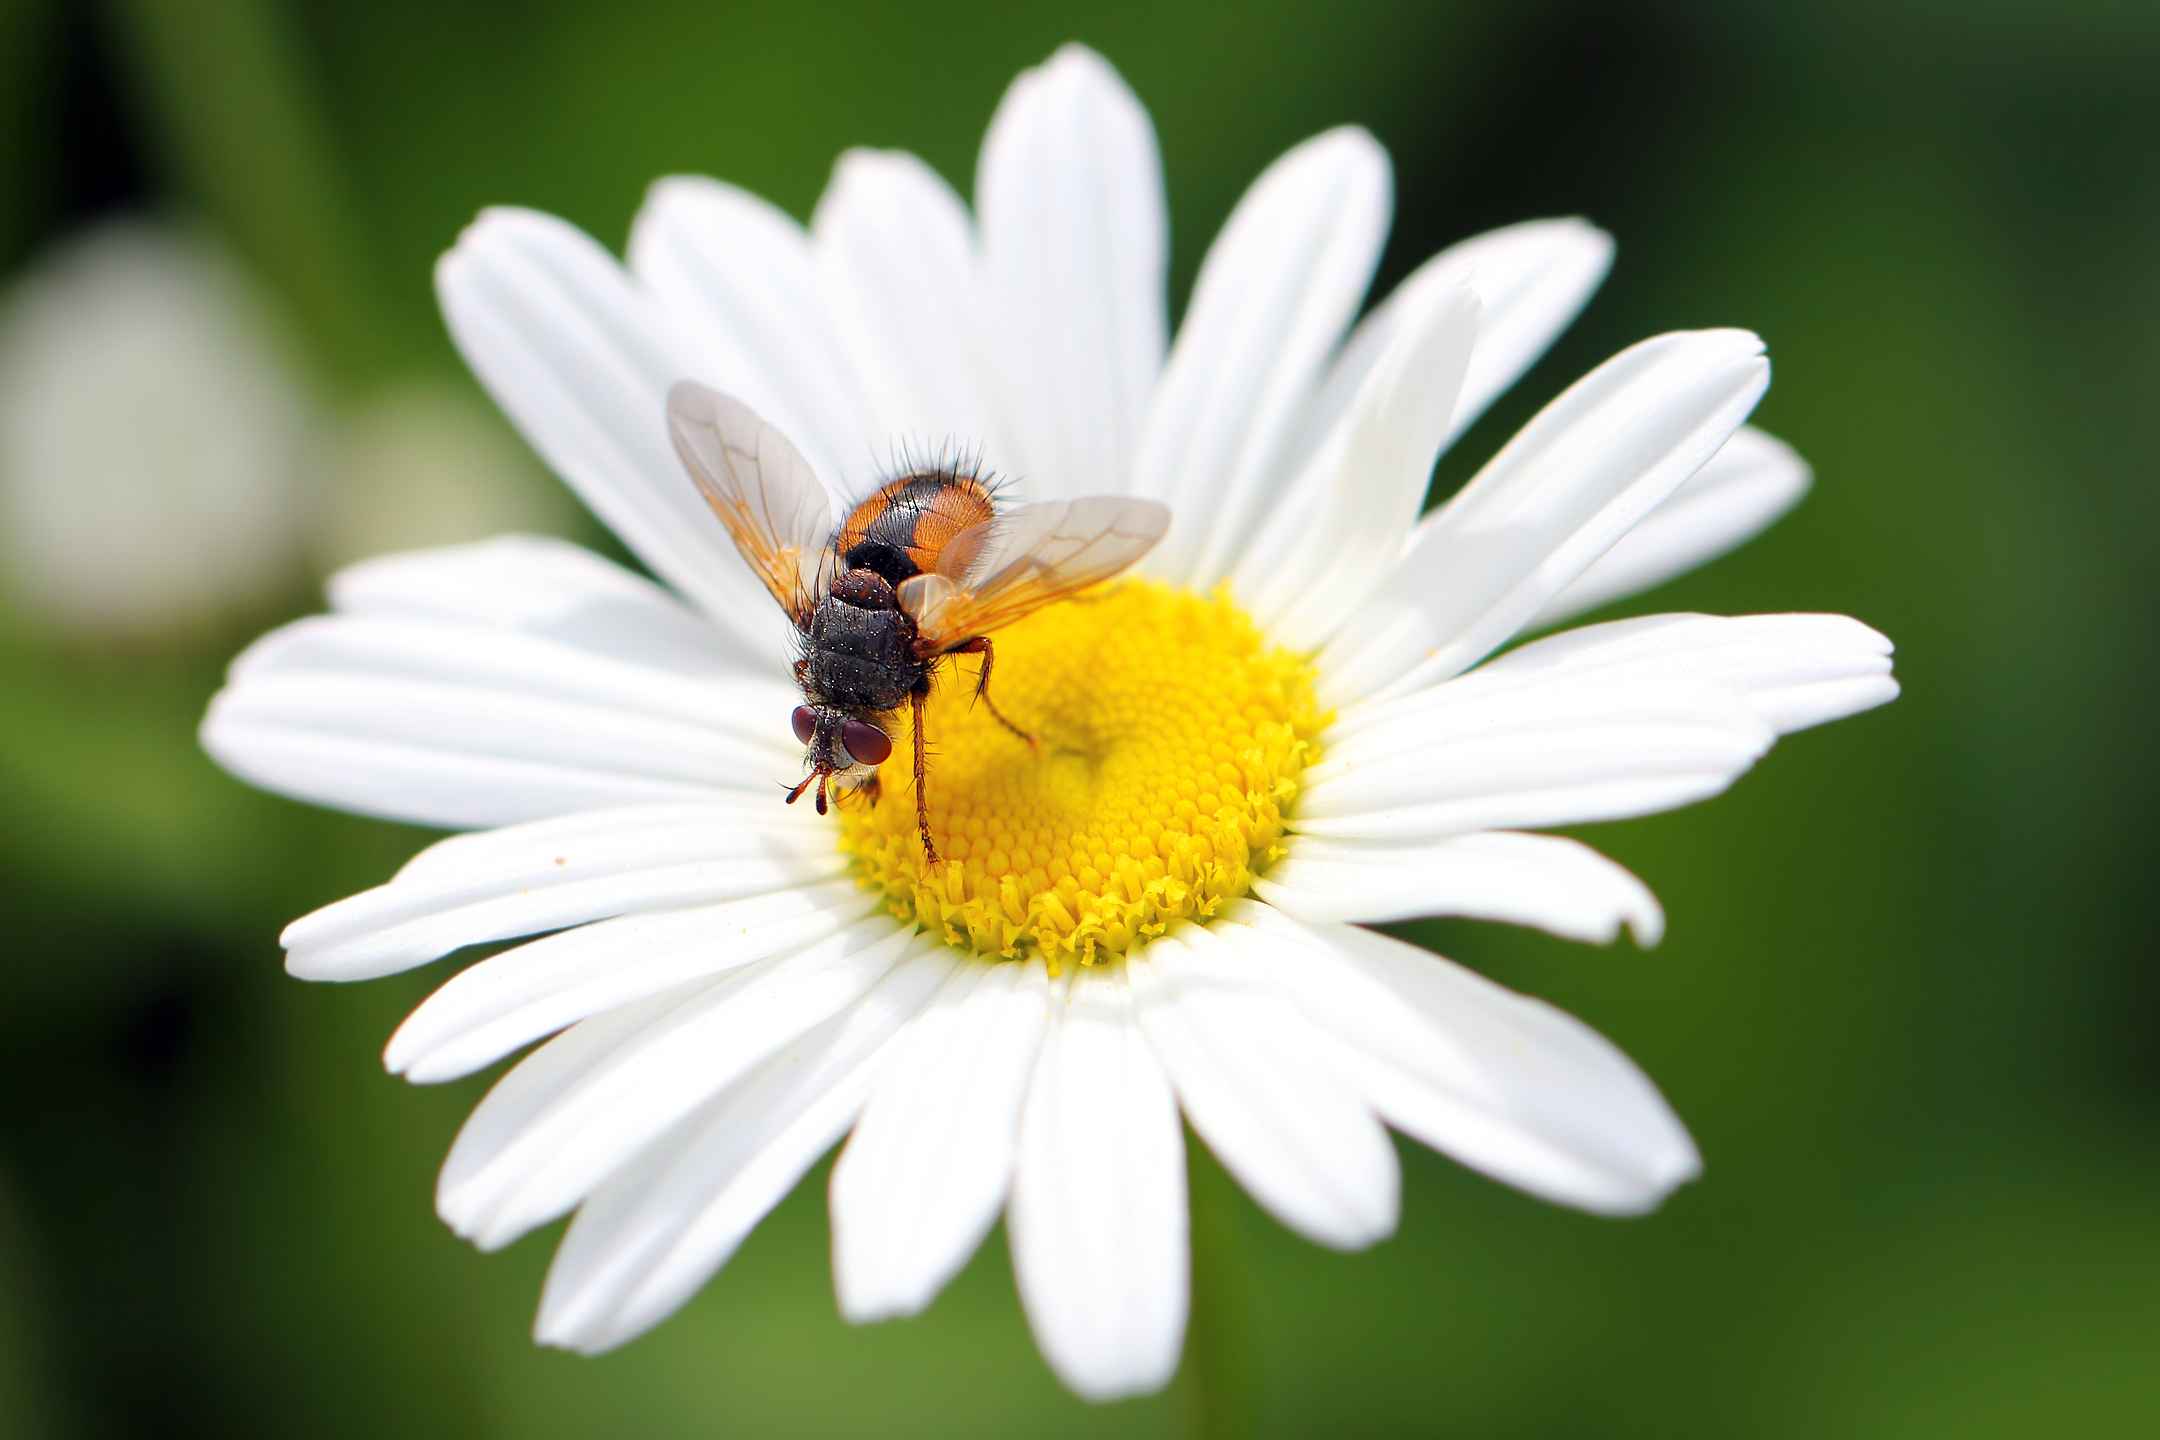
(922, 796)
(980, 645)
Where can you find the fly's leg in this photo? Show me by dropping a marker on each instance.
(980, 645)
(818, 777)
(922, 796)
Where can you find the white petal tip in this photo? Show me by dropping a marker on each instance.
(486, 1228)
(1684, 1168)
(672, 187)
(569, 1325)
(1740, 342)
(343, 963)
(1366, 1232)
(214, 734)
(1593, 246)
(1878, 691)
(1676, 1163)
(306, 965)
(555, 1339)
(1646, 1192)
(589, 1347)
(1075, 58)
(429, 1069)
(875, 1309)
(1115, 1375)
(456, 1212)
(867, 164)
(506, 216)
(493, 223)
(1590, 231)
(863, 1295)
(1352, 144)
(401, 1049)
(413, 1059)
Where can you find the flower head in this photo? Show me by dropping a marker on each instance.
(1284, 724)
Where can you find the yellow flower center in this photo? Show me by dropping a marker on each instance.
(1170, 740)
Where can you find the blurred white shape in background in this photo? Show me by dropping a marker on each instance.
(167, 457)
(153, 434)
(423, 463)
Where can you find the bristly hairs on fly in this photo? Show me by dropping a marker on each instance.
(951, 459)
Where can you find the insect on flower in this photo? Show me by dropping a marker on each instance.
(928, 566)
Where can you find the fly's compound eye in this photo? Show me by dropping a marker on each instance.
(805, 722)
(868, 744)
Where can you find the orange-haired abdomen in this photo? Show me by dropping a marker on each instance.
(905, 528)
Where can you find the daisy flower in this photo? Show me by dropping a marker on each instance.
(1283, 724)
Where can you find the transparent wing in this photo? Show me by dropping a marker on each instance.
(1024, 559)
(762, 489)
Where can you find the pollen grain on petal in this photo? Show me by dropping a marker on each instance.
(1171, 738)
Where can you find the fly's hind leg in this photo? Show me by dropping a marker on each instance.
(980, 645)
(922, 796)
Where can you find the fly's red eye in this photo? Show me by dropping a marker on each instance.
(866, 743)
(805, 721)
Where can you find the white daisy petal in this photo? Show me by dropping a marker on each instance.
(389, 649)
(491, 1008)
(1278, 287)
(1579, 476)
(1075, 249)
(1311, 564)
(549, 588)
(582, 362)
(500, 884)
(740, 272)
(1746, 486)
(647, 1239)
(896, 264)
(1098, 1221)
(1542, 880)
(553, 1143)
(1249, 1077)
(1503, 756)
(1530, 280)
(435, 765)
(1534, 279)
(553, 1070)
(922, 1177)
(1502, 1082)
(1794, 671)
(447, 724)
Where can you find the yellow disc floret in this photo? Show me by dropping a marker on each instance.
(1170, 736)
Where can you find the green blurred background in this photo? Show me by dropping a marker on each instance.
(1904, 1005)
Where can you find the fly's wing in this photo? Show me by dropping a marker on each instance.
(1023, 560)
(762, 489)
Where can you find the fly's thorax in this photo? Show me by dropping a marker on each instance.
(861, 658)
